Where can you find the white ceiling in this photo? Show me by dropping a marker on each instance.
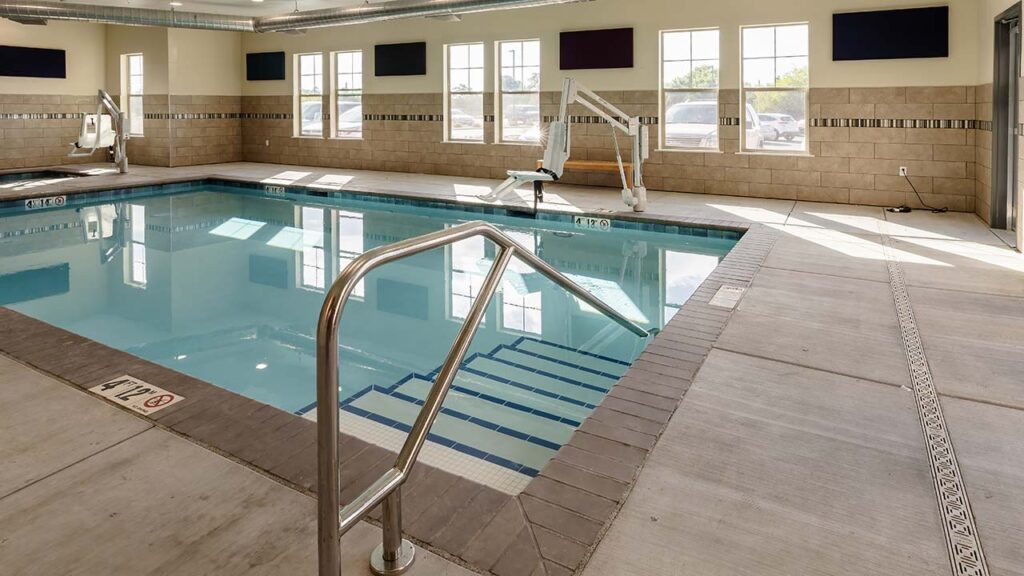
(232, 7)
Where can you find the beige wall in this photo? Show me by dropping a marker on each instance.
(987, 12)
(84, 46)
(151, 42)
(204, 63)
(647, 17)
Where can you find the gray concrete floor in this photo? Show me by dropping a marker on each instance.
(86, 488)
(798, 449)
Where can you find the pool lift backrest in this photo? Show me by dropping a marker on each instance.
(101, 130)
(634, 194)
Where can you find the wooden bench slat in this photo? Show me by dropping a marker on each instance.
(596, 166)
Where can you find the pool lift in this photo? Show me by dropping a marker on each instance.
(634, 194)
(101, 130)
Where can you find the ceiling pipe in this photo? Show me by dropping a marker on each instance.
(361, 14)
(22, 10)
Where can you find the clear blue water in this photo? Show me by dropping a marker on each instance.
(226, 284)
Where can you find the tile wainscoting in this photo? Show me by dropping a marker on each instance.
(36, 130)
(858, 138)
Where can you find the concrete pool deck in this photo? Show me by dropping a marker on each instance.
(797, 450)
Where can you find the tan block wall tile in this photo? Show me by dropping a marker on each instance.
(878, 95)
(937, 95)
(907, 151)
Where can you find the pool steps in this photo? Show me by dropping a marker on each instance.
(513, 406)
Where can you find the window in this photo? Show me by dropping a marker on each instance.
(135, 263)
(465, 91)
(681, 275)
(521, 296)
(689, 89)
(466, 278)
(131, 88)
(348, 94)
(310, 100)
(312, 256)
(350, 244)
(774, 93)
(519, 96)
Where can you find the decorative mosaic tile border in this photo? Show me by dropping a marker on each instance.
(965, 553)
(195, 116)
(41, 116)
(552, 526)
(892, 123)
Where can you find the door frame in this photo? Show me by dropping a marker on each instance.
(1005, 119)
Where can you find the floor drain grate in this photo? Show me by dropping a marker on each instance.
(965, 553)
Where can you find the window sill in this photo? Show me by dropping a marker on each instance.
(308, 137)
(520, 143)
(347, 138)
(477, 142)
(762, 153)
(692, 150)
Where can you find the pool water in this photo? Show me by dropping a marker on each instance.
(226, 283)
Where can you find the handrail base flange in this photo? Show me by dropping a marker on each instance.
(406, 557)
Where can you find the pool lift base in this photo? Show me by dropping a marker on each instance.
(634, 194)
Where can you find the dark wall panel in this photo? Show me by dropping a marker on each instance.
(408, 59)
(32, 62)
(596, 49)
(891, 34)
(264, 66)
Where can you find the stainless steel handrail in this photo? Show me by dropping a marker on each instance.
(395, 555)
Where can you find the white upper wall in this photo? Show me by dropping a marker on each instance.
(647, 17)
(84, 48)
(205, 63)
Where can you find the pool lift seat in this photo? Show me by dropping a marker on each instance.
(103, 130)
(634, 192)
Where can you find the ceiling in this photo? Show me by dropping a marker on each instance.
(231, 7)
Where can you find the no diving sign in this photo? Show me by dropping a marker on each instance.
(133, 393)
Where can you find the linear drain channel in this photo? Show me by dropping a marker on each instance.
(965, 554)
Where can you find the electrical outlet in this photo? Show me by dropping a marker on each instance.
(267, 143)
(903, 170)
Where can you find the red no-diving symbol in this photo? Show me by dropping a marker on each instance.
(158, 401)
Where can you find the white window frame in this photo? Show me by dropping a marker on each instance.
(347, 254)
(744, 90)
(354, 81)
(299, 74)
(499, 106)
(663, 91)
(448, 92)
(511, 300)
(318, 253)
(135, 265)
(128, 92)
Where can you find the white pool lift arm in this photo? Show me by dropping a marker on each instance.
(634, 194)
(101, 130)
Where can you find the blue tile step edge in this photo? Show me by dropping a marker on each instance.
(522, 339)
(545, 373)
(448, 443)
(490, 355)
(504, 430)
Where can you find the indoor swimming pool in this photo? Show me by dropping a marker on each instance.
(225, 283)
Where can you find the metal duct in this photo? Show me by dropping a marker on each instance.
(395, 10)
(19, 10)
(22, 10)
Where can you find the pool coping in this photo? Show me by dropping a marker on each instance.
(551, 527)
